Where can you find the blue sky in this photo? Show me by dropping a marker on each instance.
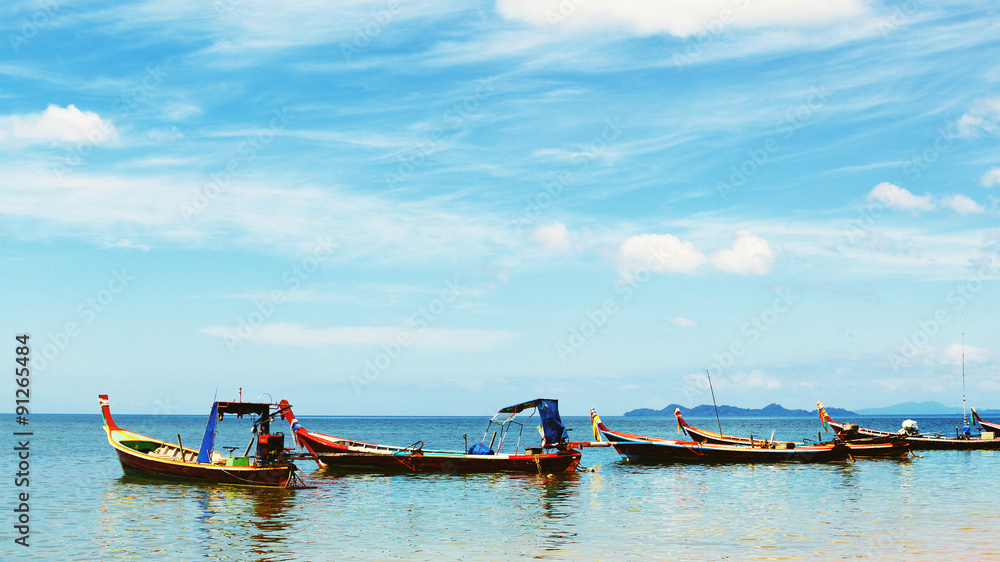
(395, 208)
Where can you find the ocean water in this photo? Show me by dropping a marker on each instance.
(942, 505)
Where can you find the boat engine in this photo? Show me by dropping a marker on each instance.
(270, 447)
(909, 428)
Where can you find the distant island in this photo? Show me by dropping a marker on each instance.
(777, 411)
(707, 410)
(912, 409)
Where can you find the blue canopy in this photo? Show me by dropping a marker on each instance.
(552, 425)
(548, 409)
(208, 441)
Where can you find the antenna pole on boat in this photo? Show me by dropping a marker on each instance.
(965, 417)
(713, 400)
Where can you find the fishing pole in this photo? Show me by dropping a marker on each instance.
(713, 401)
(965, 417)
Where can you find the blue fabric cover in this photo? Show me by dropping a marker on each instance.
(552, 425)
(480, 449)
(208, 441)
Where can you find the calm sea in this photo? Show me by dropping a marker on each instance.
(941, 506)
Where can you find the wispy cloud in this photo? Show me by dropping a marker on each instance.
(754, 380)
(252, 212)
(982, 118)
(677, 18)
(683, 322)
(898, 198)
(990, 178)
(437, 339)
(954, 354)
(962, 204)
(553, 237)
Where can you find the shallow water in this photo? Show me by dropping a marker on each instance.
(939, 506)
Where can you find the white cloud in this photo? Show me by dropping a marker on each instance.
(952, 354)
(991, 178)
(682, 19)
(962, 204)
(127, 245)
(983, 117)
(683, 322)
(179, 111)
(896, 197)
(697, 381)
(56, 124)
(892, 385)
(750, 255)
(262, 212)
(553, 237)
(754, 380)
(284, 333)
(659, 253)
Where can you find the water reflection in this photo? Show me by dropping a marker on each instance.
(556, 497)
(139, 517)
(933, 507)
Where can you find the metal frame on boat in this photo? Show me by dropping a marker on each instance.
(147, 457)
(918, 441)
(554, 454)
(642, 448)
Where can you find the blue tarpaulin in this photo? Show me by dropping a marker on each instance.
(552, 425)
(208, 441)
(480, 449)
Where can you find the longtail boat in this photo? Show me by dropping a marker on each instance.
(642, 448)
(873, 447)
(918, 441)
(147, 457)
(988, 427)
(554, 454)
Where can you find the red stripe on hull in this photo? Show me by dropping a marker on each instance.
(548, 463)
(664, 452)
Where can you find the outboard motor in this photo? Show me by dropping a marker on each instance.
(270, 447)
(909, 428)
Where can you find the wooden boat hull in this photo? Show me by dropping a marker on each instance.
(338, 455)
(335, 454)
(138, 466)
(871, 447)
(916, 442)
(692, 451)
(642, 448)
(879, 447)
(445, 463)
(940, 443)
(146, 457)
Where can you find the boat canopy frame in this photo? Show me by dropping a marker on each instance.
(553, 432)
(262, 414)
